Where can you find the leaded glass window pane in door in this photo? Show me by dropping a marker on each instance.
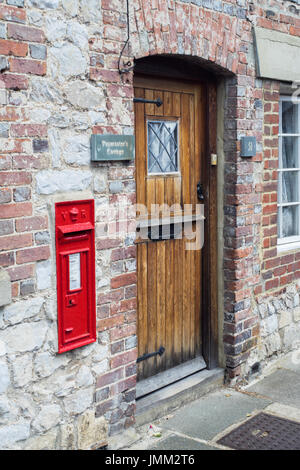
(163, 154)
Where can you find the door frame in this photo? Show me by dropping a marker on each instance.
(210, 317)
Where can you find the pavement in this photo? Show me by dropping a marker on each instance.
(201, 424)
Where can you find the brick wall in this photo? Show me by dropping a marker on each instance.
(59, 83)
(23, 231)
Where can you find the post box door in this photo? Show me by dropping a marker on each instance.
(75, 274)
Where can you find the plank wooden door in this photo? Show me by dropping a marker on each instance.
(169, 275)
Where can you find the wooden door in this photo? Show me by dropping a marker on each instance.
(167, 172)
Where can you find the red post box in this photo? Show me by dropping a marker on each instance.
(75, 268)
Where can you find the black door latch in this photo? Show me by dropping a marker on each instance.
(147, 356)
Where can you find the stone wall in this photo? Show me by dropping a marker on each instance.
(60, 83)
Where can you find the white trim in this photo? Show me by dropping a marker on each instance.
(287, 243)
(288, 247)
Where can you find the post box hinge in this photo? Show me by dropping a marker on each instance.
(160, 352)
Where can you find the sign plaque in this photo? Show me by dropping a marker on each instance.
(112, 147)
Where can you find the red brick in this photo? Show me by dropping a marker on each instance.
(124, 358)
(110, 378)
(111, 322)
(7, 259)
(25, 33)
(12, 242)
(14, 82)
(120, 387)
(23, 162)
(18, 209)
(34, 67)
(17, 49)
(15, 178)
(107, 243)
(123, 280)
(111, 297)
(28, 130)
(32, 223)
(33, 254)
(122, 331)
(10, 13)
(21, 272)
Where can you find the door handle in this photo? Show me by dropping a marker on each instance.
(200, 192)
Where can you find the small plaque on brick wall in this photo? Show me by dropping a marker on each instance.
(112, 147)
(248, 146)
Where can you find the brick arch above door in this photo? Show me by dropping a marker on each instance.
(218, 37)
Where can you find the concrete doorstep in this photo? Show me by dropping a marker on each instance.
(202, 422)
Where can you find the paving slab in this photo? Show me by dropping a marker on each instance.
(212, 414)
(292, 362)
(174, 442)
(281, 386)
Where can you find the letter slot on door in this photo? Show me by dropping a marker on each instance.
(75, 269)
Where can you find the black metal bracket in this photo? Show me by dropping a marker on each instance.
(160, 352)
(158, 102)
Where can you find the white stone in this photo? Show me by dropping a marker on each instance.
(84, 377)
(101, 367)
(285, 319)
(291, 337)
(272, 344)
(96, 117)
(48, 417)
(4, 406)
(66, 61)
(269, 325)
(46, 441)
(51, 309)
(4, 378)
(25, 337)
(45, 4)
(90, 10)
(22, 370)
(13, 433)
(49, 182)
(84, 96)
(78, 35)
(46, 363)
(2, 349)
(23, 310)
(71, 7)
(43, 90)
(3, 96)
(54, 140)
(5, 287)
(55, 29)
(79, 401)
(297, 314)
(77, 150)
(43, 274)
(91, 431)
(35, 17)
(102, 352)
(100, 183)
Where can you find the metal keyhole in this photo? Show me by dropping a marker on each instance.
(200, 192)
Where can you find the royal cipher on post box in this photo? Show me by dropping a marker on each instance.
(75, 268)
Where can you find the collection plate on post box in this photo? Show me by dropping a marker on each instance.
(112, 147)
